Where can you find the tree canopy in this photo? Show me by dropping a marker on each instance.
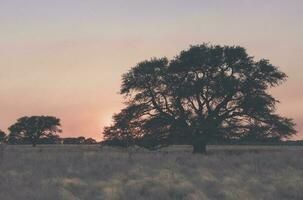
(206, 93)
(33, 128)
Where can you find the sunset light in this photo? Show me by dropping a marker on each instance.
(66, 58)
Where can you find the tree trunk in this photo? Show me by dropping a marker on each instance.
(199, 147)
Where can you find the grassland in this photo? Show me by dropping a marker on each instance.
(89, 173)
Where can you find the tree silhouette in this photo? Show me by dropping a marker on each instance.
(2, 136)
(90, 141)
(127, 128)
(79, 140)
(207, 93)
(33, 128)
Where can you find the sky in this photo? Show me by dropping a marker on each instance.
(65, 57)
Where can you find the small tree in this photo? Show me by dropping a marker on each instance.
(33, 128)
(205, 94)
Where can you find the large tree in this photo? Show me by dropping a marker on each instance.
(205, 94)
(33, 128)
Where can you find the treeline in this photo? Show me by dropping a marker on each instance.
(39, 130)
(55, 140)
(47, 140)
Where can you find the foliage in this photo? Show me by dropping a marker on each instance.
(205, 94)
(32, 129)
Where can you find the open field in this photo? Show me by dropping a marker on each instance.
(89, 172)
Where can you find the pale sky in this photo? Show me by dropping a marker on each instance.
(66, 57)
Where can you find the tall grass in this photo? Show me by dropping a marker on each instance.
(88, 172)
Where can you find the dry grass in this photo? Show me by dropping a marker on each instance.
(88, 172)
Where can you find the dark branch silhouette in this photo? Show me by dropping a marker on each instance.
(205, 94)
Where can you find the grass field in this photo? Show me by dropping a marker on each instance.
(89, 172)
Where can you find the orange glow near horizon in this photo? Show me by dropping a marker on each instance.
(66, 60)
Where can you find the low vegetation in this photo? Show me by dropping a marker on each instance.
(80, 172)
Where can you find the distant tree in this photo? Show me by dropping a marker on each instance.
(32, 129)
(2, 137)
(53, 139)
(81, 139)
(205, 94)
(90, 141)
(72, 140)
